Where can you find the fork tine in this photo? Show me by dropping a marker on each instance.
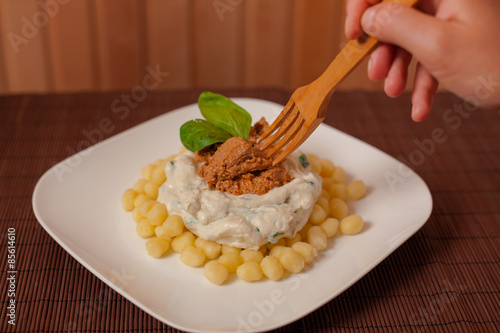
(291, 118)
(296, 142)
(279, 120)
(297, 125)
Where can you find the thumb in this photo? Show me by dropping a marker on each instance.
(417, 32)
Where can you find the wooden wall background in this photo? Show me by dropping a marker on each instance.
(88, 45)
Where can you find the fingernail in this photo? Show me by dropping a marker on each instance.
(387, 83)
(414, 113)
(370, 64)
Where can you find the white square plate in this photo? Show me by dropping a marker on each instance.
(78, 202)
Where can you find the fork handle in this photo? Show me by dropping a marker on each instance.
(348, 58)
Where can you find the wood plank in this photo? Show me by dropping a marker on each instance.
(118, 45)
(3, 72)
(267, 43)
(169, 41)
(106, 45)
(315, 39)
(25, 59)
(70, 48)
(218, 44)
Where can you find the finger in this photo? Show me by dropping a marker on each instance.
(380, 62)
(429, 6)
(425, 88)
(354, 11)
(395, 84)
(419, 33)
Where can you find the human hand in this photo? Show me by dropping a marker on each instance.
(456, 43)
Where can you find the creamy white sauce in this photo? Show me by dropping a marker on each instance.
(245, 221)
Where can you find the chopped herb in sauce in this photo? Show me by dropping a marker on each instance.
(192, 220)
(304, 161)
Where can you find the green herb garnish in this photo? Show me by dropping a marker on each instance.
(225, 114)
(304, 161)
(224, 119)
(199, 133)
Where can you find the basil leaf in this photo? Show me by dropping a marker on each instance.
(223, 113)
(199, 133)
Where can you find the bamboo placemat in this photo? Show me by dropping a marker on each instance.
(444, 278)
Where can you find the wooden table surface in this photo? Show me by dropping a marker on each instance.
(446, 278)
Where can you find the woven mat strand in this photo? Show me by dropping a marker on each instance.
(443, 279)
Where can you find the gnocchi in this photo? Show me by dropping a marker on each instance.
(211, 249)
(182, 241)
(330, 226)
(318, 215)
(173, 225)
(157, 247)
(151, 190)
(231, 261)
(215, 272)
(317, 238)
(288, 254)
(249, 271)
(351, 225)
(140, 199)
(248, 255)
(272, 268)
(291, 260)
(139, 185)
(356, 190)
(338, 208)
(306, 250)
(145, 229)
(192, 256)
(157, 214)
(128, 199)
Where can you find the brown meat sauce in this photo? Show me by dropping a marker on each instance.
(238, 166)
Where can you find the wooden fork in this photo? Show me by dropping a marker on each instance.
(307, 106)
